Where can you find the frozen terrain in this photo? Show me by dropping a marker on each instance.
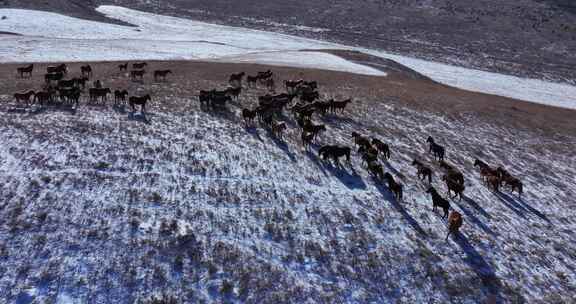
(104, 206)
(162, 37)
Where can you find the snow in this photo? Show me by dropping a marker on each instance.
(254, 205)
(54, 37)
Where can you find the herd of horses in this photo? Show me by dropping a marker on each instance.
(303, 100)
(58, 89)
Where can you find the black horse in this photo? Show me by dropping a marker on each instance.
(437, 149)
(334, 152)
(62, 68)
(120, 96)
(161, 74)
(139, 100)
(25, 70)
(86, 70)
(439, 201)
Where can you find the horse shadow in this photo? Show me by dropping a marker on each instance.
(119, 108)
(479, 265)
(469, 214)
(351, 179)
(44, 109)
(520, 206)
(281, 143)
(141, 117)
(511, 204)
(476, 206)
(253, 130)
(411, 220)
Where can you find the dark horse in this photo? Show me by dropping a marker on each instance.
(437, 149)
(137, 74)
(25, 70)
(139, 65)
(236, 79)
(439, 201)
(161, 74)
(454, 185)
(395, 187)
(86, 70)
(25, 97)
(135, 100)
(120, 96)
(57, 69)
(123, 67)
(423, 171)
(334, 152)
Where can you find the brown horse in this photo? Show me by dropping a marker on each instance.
(86, 70)
(334, 152)
(506, 179)
(161, 74)
(423, 171)
(101, 93)
(454, 186)
(486, 172)
(395, 187)
(27, 70)
(454, 223)
(24, 97)
(251, 81)
(139, 100)
(43, 96)
(452, 172)
(375, 169)
(56, 76)
(360, 140)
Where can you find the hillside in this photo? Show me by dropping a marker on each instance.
(102, 205)
(527, 38)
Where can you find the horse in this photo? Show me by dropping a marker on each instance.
(161, 74)
(278, 129)
(55, 76)
(439, 201)
(270, 84)
(137, 73)
(306, 139)
(62, 68)
(485, 170)
(368, 158)
(454, 186)
(139, 100)
(251, 80)
(248, 116)
(339, 105)
(360, 140)
(86, 70)
(101, 93)
(80, 82)
(375, 169)
(234, 92)
(264, 75)
(506, 179)
(423, 171)
(334, 152)
(97, 84)
(382, 148)
(25, 70)
(123, 67)
(70, 95)
(452, 172)
(120, 96)
(438, 150)
(66, 83)
(43, 96)
(322, 106)
(314, 129)
(219, 101)
(291, 85)
(236, 79)
(139, 65)
(309, 96)
(454, 223)
(394, 186)
(24, 97)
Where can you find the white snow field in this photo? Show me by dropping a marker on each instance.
(104, 207)
(53, 37)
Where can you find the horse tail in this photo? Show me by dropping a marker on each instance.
(430, 177)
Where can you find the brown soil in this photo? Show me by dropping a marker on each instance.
(401, 87)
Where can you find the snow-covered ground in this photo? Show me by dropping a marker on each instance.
(53, 37)
(104, 207)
